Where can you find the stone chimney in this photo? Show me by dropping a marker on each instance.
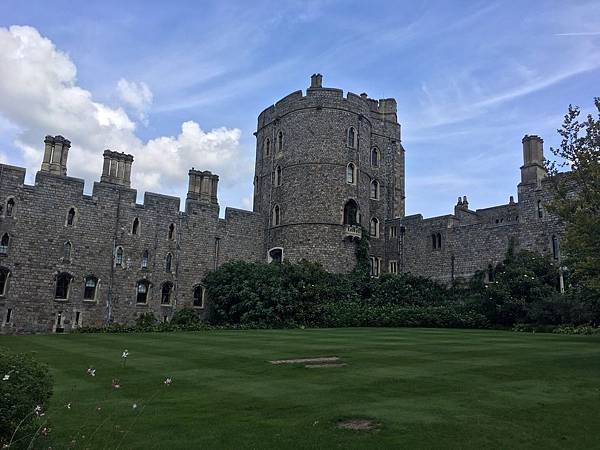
(316, 81)
(533, 170)
(203, 186)
(116, 168)
(56, 152)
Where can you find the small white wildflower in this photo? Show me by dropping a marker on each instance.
(125, 353)
(134, 406)
(168, 381)
(6, 377)
(68, 406)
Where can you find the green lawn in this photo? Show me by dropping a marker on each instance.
(428, 389)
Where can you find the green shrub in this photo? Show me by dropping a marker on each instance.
(576, 329)
(279, 295)
(185, 317)
(145, 321)
(25, 385)
(407, 290)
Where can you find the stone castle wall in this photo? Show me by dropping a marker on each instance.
(302, 158)
(103, 223)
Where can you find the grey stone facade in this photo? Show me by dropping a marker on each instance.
(326, 165)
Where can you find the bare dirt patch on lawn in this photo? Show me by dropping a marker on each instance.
(324, 366)
(358, 424)
(325, 359)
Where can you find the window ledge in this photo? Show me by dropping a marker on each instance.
(141, 304)
(61, 300)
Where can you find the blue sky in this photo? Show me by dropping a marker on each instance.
(470, 78)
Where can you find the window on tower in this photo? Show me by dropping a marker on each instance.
(351, 173)
(351, 213)
(351, 138)
(375, 157)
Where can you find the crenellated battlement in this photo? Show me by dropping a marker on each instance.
(320, 97)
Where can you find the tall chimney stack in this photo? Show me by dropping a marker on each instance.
(56, 152)
(316, 81)
(116, 168)
(203, 186)
(533, 170)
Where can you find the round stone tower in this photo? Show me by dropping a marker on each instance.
(327, 165)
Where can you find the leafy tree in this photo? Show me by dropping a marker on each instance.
(577, 199)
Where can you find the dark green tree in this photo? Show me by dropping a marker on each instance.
(577, 199)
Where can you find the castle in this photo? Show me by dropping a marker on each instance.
(327, 167)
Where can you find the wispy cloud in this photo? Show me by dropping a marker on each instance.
(583, 33)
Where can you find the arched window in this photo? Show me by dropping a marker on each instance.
(540, 210)
(145, 259)
(135, 228)
(351, 141)
(4, 244)
(199, 296)
(89, 288)
(267, 147)
(490, 273)
(71, 217)
(275, 255)
(166, 293)
(374, 228)
(63, 282)
(439, 240)
(119, 257)
(351, 213)
(10, 207)
(351, 173)
(67, 249)
(375, 157)
(171, 231)
(555, 247)
(277, 177)
(280, 141)
(276, 216)
(375, 266)
(433, 241)
(4, 276)
(168, 261)
(142, 291)
(375, 190)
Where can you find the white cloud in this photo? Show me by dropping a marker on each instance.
(247, 202)
(39, 95)
(137, 95)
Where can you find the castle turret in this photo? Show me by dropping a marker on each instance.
(56, 151)
(327, 164)
(533, 170)
(117, 168)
